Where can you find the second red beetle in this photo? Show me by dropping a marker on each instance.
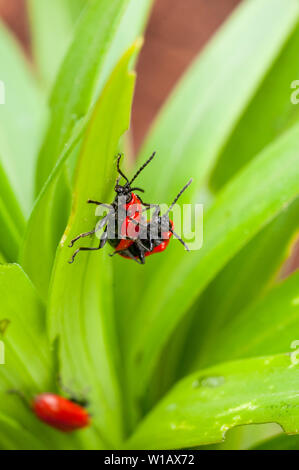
(60, 413)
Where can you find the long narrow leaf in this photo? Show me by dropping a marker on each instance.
(38, 250)
(81, 305)
(131, 27)
(22, 120)
(268, 115)
(50, 44)
(243, 281)
(282, 442)
(86, 58)
(12, 223)
(202, 407)
(268, 327)
(205, 107)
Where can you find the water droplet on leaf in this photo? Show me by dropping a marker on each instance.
(212, 382)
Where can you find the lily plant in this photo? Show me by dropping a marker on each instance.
(175, 353)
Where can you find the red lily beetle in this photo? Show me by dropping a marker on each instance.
(60, 413)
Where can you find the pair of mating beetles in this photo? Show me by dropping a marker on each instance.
(124, 227)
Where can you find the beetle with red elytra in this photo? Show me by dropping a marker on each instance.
(63, 414)
(135, 240)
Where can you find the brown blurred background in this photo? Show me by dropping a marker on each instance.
(177, 31)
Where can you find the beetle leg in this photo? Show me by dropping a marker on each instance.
(142, 257)
(85, 248)
(82, 235)
(82, 248)
(126, 253)
(86, 234)
(140, 245)
(104, 238)
(133, 257)
(90, 201)
(139, 261)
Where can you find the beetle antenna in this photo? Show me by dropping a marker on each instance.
(118, 168)
(137, 189)
(142, 167)
(180, 240)
(178, 196)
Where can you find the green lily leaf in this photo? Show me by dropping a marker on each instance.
(282, 442)
(81, 304)
(36, 257)
(245, 277)
(12, 223)
(28, 367)
(202, 407)
(76, 7)
(266, 186)
(22, 307)
(268, 115)
(50, 44)
(22, 120)
(131, 26)
(245, 437)
(243, 281)
(95, 32)
(267, 327)
(202, 112)
(15, 437)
